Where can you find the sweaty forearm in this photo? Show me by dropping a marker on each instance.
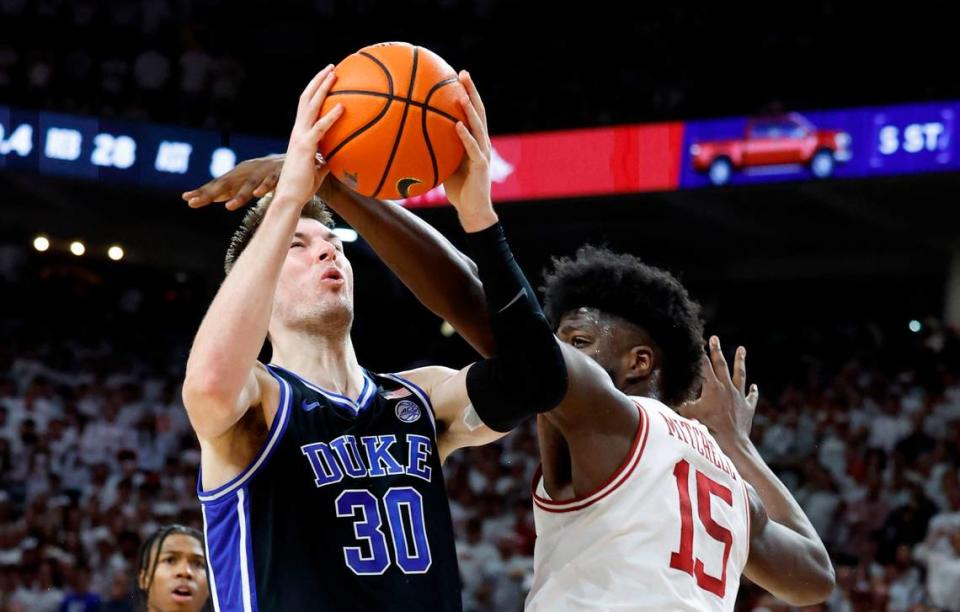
(441, 277)
(231, 335)
(777, 499)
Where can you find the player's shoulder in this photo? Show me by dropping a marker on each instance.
(667, 417)
(650, 406)
(426, 377)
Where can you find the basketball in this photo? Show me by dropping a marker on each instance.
(397, 136)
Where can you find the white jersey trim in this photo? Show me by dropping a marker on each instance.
(746, 500)
(616, 479)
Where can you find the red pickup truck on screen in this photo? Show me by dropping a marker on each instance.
(773, 145)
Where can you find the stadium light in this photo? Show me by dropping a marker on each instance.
(345, 234)
(915, 326)
(77, 248)
(41, 243)
(115, 253)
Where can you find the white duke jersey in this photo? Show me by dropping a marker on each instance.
(668, 531)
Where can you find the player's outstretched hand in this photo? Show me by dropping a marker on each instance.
(251, 178)
(301, 174)
(724, 405)
(259, 176)
(468, 189)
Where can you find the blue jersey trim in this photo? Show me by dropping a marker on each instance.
(357, 406)
(277, 429)
(211, 573)
(420, 393)
(247, 573)
(228, 541)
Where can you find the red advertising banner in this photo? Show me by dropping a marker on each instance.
(578, 163)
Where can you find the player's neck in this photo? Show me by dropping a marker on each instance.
(327, 361)
(642, 388)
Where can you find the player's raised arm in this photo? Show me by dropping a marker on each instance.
(220, 383)
(441, 277)
(787, 556)
(531, 372)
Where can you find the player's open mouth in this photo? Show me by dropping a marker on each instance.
(332, 275)
(182, 594)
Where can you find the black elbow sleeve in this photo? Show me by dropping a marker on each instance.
(528, 374)
(505, 392)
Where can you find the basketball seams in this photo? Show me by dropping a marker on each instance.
(383, 111)
(403, 121)
(369, 87)
(395, 98)
(426, 133)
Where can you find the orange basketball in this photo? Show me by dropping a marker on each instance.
(397, 136)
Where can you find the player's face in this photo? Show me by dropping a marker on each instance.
(316, 282)
(180, 577)
(588, 331)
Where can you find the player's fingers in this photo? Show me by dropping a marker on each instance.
(467, 81)
(470, 144)
(243, 195)
(206, 200)
(719, 361)
(268, 184)
(706, 369)
(307, 94)
(202, 195)
(313, 110)
(740, 369)
(753, 397)
(306, 113)
(710, 382)
(476, 125)
(323, 123)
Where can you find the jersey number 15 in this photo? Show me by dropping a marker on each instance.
(683, 559)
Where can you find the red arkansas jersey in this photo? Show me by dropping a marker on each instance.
(668, 531)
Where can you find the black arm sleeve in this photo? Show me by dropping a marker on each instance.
(527, 374)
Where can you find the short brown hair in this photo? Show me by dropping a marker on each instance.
(314, 209)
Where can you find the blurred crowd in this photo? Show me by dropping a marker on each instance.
(96, 452)
(145, 60)
(241, 65)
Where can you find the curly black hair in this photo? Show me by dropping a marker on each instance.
(622, 285)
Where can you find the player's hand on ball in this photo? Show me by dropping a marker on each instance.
(468, 189)
(724, 405)
(251, 178)
(301, 175)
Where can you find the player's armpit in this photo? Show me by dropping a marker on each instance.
(786, 563)
(212, 417)
(457, 423)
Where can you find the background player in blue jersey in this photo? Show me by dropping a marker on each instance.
(321, 485)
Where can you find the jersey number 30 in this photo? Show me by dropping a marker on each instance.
(683, 559)
(408, 532)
